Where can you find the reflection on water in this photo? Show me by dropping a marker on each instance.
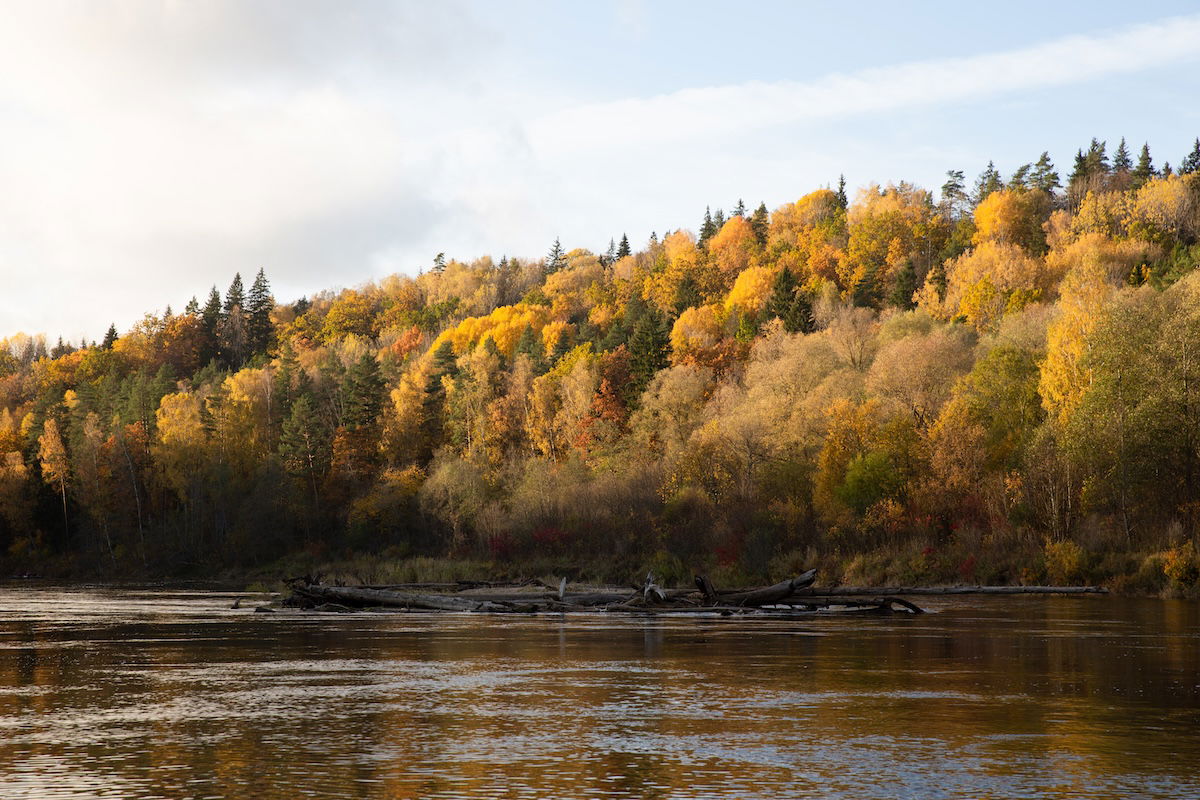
(149, 694)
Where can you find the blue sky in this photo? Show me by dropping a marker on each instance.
(150, 149)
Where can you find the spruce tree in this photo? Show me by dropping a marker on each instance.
(1144, 170)
(1097, 159)
(235, 296)
(110, 338)
(788, 304)
(192, 308)
(687, 294)
(759, 223)
(623, 248)
(555, 259)
(1191, 162)
(740, 209)
(259, 305)
(529, 346)
(842, 201)
(1121, 160)
(649, 348)
(904, 287)
(708, 227)
(304, 443)
(562, 346)
(433, 405)
(1020, 178)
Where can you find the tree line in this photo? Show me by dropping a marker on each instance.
(994, 384)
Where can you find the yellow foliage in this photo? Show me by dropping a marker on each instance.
(698, 329)
(1166, 207)
(979, 284)
(1013, 216)
(505, 325)
(733, 246)
(1085, 291)
(553, 331)
(752, 289)
(178, 421)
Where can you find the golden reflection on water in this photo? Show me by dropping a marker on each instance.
(172, 695)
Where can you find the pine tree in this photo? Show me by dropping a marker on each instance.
(1121, 160)
(718, 221)
(433, 406)
(623, 248)
(363, 393)
(192, 308)
(740, 209)
(989, 181)
(555, 259)
(439, 263)
(759, 223)
(259, 305)
(304, 443)
(1044, 176)
(955, 200)
(1144, 170)
(842, 201)
(562, 346)
(1020, 178)
(235, 296)
(110, 338)
(1191, 162)
(1097, 159)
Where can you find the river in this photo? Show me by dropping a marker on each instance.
(172, 694)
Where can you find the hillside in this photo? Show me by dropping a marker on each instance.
(999, 386)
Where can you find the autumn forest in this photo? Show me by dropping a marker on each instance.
(996, 381)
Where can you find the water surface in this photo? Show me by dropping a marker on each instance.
(138, 694)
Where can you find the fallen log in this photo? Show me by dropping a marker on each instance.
(359, 597)
(755, 597)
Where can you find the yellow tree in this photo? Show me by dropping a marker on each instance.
(52, 455)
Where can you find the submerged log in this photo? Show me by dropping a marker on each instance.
(864, 591)
(755, 597)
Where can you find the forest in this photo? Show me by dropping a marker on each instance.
(995, 383)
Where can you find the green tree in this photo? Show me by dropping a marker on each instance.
(649, 349)
(789, 304)
(1144, 170)
(1191, 162)
(1044, 176)
(259, 305)
(304, 444)
(623, 248)
(109, 338)
(556, 259)
(988, 181)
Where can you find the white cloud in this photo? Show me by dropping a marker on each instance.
(727, 110)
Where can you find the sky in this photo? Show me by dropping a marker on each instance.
(151, 149)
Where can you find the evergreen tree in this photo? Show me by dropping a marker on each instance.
(623, 248)
(989, 181)
(211, 314)
(759, 223)
(363, 393)
(529, 346)
(649, 348)
(718, 221)
(1166, 170)
(708, 227)
(904, 288)
(1121, 160)
(1044, 176)
(439, 263)
(259, 305)
(610, 255)
(687, 294)
(304, 443)
(1020, 178)
(192, 308)
(235, 296)
(562, 346)
(555, 259)
(1191, 162)
(109, 338)
(740, 209)
(1096, 159)
(433, 406)
(955, 200)
(789, 304)
(842, 201)
(1144, 170)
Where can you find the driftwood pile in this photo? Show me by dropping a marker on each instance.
(795, 595)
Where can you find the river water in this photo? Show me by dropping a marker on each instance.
(137, 694)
